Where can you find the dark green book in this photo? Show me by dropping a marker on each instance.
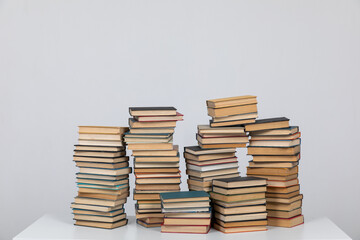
(184, 196)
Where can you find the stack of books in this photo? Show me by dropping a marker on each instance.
(204, 165)
(232, 111)
(239, 204)
(186, 212)
(275, 147)
(156, 159)
(103, 179)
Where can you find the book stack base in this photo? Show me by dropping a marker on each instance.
(103, 180)
(239, 204)
(186, 212)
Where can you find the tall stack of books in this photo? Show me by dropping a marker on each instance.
(275, 147)
(239, 204)
(186, 212)
(103, 179)
(156, 159)
(232, 111)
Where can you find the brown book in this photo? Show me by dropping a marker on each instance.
(94, 218)
(103, 191)
(231, 101)
(240, 210)
(223, 145)
(283, 189)
(152, 111)
(241, 224)
(199, 183)
(282, 195)
(97, 213)
(268, 123)
(157, 180)
(97, 208)
(285, 200)
(234, 118)
(282, 184)
(241, 217)
(235, 198)
(220, 172)
(275, 132)
(273, 164)
(148, 225)
(283, 206)
(232, 123)
(284, 214)
(188, 215)
(274, 150)
(152, 220)
(238, 182)
(100, 159)
(98, 148)
(101, 171)
(146, 196)
(110, 143)
(103, 154)
(198, 188)
(157, 159)
(155, 164)
(149, 215)
(103, 196)
(210, 178)
(272, 171)
(222, 140)
(99, 202)
(239, 229)
(206, 129)
(156, 170)
(240, 204)
(211, 162)
(102, 165)
(171, 187)
(234, 110)
(274, 158)
(243, 190)
(275, 137)
(286, 222)
(101, 224)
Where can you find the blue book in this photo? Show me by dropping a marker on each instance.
(184, 196)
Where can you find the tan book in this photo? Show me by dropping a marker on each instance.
(241, 224)
(146, 196)
(274, 158)
(99, 148)
(272, 171)
(241, 217)
(101, 143)
(152, 220)
(273, 150)
(188, 215)
(212, 173)
(239, 190)
(198, 188)
(273, 164)
(132, 140)
(149, 206)
(210, 178)
(100, 171)
(157, 153)
(102, 165)
(156, 164)
(285, 200)
(99, 202)
(284, 214)
(184, 229)
(239, 229)
(152, 111)
(283, 206)
(235, 118)
(102, 130)
(284, 222)
(186, 221)
(194, 204)
(241, 203)
(157, 180)
(97, 208)
(275, 132)
(104, 177)
(103, 191)
(212, 162)
(238, 182)
(275, 143)
(231, 101)
(148, 225)
(223, 145)
(157, 159)
(162, 124)
(94, 136)
(208, 157)
(199, 183)
(240, 210)
(283, 189)
(275, 137)
(156, 170)
(165, 186)
(150, 146)
(237, 198)
(282, 195)
(103, 196)
(99, 218)
(102, 182)
(151, 130)
(222, 140)
(101, 224)
(207, 129)
(115, 154)
(100, 159)
(234, 110)
(232, 123)
(275, 178)
(268, 123)
(282, 184)
(97, 213)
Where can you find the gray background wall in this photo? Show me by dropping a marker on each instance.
(70, 63)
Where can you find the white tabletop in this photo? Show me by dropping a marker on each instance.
(52, 226)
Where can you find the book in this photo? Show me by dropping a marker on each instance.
(237, 182)
(273, 164)
(267, 123)
(101, 224)
(231, 123)
(240, 210)
(280, 131)
(196, 150)
(185, 229)
(284, 214)
(206, 129)
(282, 184)
(272, 171)
(177, 117)
(231, 101)
(261, 201)
(274, 158)
(184, 196)
(239, 229)
(161, 124)
(274, 143)
(240, 217)
(223, 145)
(276, 137)
(241, 190)
(238, 197)
(207, 157)
(233, 118)
(102, 130)
(273, 150)
(158, 153)
(115, 154)
(212, 162)
(94, 218)
(287, 189)
(185, 221)
(233, 110)
(221, 140)
(262, 222)
(168, 130)
(150, 146)
(286, 222)
(212, 167)
(152, 111)
(98, 148)
(100, 159)
(284, 206)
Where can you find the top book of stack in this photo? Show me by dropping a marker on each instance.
(232, 111)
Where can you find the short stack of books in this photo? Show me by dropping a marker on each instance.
(186, 212)
(156, 159)
(239, 204)
(232, 111)
(103, 179)
(204, 165)
(275, 147)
